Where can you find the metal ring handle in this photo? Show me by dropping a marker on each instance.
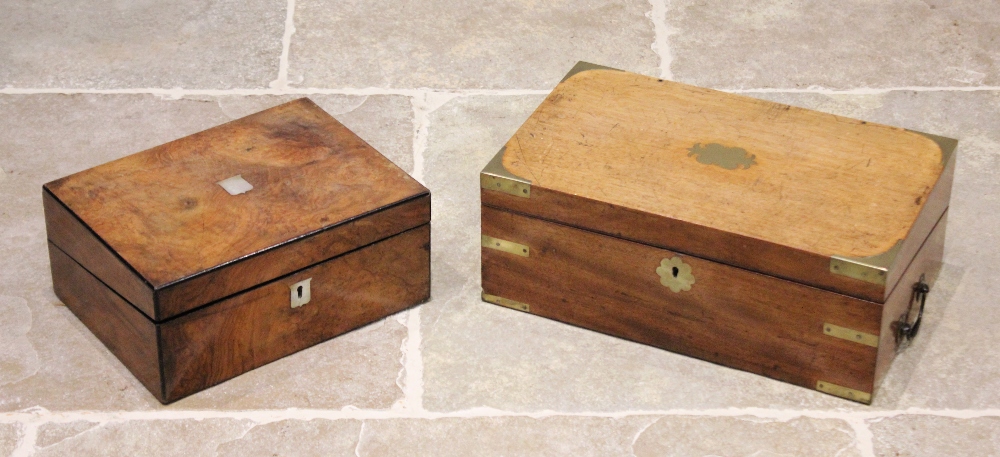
(906, 331)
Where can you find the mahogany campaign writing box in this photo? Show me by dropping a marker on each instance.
(214, 254)
(777, 240)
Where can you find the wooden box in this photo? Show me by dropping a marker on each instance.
(214, 254)
(777, 240)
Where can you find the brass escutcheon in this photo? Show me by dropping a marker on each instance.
(675, 274)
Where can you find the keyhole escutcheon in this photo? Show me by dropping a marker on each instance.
(300, 293)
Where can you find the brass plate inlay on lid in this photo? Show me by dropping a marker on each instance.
(505, 246)
(844, 392)
(730, 158)
(506, 302)
(849, 334)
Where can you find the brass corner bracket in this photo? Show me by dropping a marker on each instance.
(946, 144)
(506, 302)
(873, 269)
(496, 177)
(844, 392)
(582, 66)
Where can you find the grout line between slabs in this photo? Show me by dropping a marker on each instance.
(423, 105)
(28, 440)
(863, 436)
(413, 392)
(177, 93)
(662, 32)
(286, 43)
(40, 415)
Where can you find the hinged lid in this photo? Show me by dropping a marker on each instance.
(812, 197)
(214, 213)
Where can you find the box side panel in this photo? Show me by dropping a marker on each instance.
(936, 205)
(730, 316)
(926, 263)
(292, 256)
(680, 236)
(240, 333)
(67, 232)
(126, 332)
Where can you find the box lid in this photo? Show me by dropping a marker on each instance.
(214, 213)
(824, 200)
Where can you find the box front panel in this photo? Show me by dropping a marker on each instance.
(684, 304)
(243, 332)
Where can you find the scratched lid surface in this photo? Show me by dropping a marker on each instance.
(714, 166)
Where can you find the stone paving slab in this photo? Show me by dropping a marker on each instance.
(481, 45)
(106, 45)
(927, 436)
(751, 44)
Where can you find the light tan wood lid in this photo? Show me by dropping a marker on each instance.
(165, 213)
(817, 182)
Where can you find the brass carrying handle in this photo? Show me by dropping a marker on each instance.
(906, 331)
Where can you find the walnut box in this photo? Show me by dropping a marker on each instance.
(777, 240)
(214, 254)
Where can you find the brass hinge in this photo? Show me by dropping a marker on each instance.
(844, 392)
(850, 334)
(505, 246)
(496, 177)
(506, 302)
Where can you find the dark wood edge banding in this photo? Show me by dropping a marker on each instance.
(72, 235)
(293, 255)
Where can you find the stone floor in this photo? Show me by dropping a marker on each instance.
(438, 86)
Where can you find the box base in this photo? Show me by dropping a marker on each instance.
(734, 317)
(204, 347)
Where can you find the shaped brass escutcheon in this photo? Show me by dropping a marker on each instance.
(675, 274)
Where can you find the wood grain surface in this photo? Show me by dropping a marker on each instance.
(731, 316)
(234, 277)
(163, 212)
(614, 152)
(170, 239)
(238, 334)
(624, 139)
(208, 346)
(72, 237)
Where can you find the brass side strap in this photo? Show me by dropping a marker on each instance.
(509, 247)
(844, 392)
(850, 334)
(506, 302)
